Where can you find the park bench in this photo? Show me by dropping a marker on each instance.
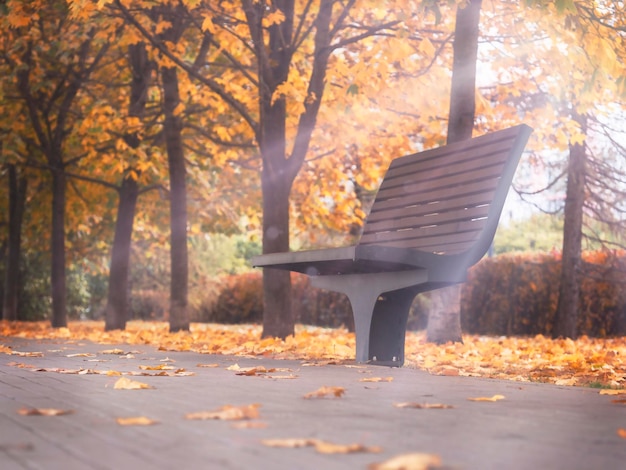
(434, 216)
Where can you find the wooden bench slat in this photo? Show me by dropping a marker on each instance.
(439, 207)
(444, 223)
(414, 165)
(430, 193)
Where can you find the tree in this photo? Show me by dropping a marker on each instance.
(17, 200)
(444, 319)
(271, 48)
(51, 57)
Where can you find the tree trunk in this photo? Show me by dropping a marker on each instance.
(17, 200)
(58, 281)
(117, 300)
(179, 315)
(278, 318)
(566, 319)
(444, 319)
(116, 313)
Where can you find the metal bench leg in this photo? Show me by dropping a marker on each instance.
(388, 327)
(380, 306)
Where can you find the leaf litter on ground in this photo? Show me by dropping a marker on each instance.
(578, 362)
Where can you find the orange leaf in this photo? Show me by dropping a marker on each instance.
(124, 383)
(136, 421)
(493, 398)
(607, 391)
(621, 432)
(326, 391)
(43, 412)
(228, 412)
(414, 461)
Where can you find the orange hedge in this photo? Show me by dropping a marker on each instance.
(518, 294)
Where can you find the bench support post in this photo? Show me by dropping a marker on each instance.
(380, 306)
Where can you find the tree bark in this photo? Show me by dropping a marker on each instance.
(117, 300)
(179, 315)
(17, 201)
(566, 319)
(444, 318)
(116, 312)
(57, 274)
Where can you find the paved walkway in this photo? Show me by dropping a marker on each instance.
(536, 426)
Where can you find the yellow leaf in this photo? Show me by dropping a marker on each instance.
(208, 365)
(326, 391)
(607, 391)
(413, 461)
(159, 367)
(376, 379)
(124, 383)
(43, 412)
(228, 412)
(135, 421)
(324, 447)
(493, 398)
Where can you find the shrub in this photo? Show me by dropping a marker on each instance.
(518, 295)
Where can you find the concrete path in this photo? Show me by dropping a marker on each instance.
(536, 426)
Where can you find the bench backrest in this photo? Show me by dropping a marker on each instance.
(447, 199)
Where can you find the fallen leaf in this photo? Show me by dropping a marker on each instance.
(113, 373)
(376, 379)
(249, 425)
(27, 353)
(607, 391)
(80, 355)
(43, 412)
(493, 398)
(135, 421)
(166, 359)
(228, 412)
(159, 367)
(326, 391)
(292, 443)
(413, 461)
(438, 406)
(620, 401)
(113, 351)
(281, 377)
(5, 349)
(208, 365)
(324, 447)
(124, 383)
(621, 432)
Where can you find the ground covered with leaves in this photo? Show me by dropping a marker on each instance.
(584, 362)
